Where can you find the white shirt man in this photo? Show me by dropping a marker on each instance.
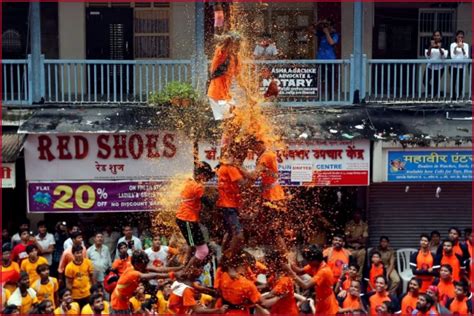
(99, 254)
(45, 242)
(159, 254)
(133, 242)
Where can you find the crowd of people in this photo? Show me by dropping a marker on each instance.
(65, 273)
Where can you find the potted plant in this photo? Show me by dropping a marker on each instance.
(175, 93)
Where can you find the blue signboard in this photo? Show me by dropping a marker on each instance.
(430, 165)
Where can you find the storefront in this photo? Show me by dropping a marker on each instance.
(417, 190)
(114, 169)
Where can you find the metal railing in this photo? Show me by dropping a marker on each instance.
(329, 82)
(417, 80)
(115, 81)
(16, 81)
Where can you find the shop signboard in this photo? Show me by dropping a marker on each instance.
(429, 165)
(8, 175)
(312, 163)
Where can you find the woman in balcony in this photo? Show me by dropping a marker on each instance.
(458, 50)
(435, 69)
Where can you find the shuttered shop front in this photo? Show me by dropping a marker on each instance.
(402, 211)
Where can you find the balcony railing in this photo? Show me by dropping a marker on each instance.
(419, 81)
(332, 81)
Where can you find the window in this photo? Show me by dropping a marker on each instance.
(430, 20)
(151, 33)
(11, 41)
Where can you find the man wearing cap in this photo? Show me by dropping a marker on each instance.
(437, 307)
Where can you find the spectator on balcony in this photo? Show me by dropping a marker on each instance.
(434, 72)
(328, 38)
(266, 48)
(458, 50)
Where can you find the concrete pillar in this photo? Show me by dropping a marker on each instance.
(357, 71)
(35, 42)
(200, 57)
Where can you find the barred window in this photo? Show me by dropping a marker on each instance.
(151, 33)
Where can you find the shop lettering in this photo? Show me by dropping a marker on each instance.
(122, 146)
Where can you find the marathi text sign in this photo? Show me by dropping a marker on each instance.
(8, 175)
(435, 165)
(83, 197)
(293, 80)
(131, 156)
(319, 163)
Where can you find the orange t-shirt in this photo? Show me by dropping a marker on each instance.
(30, 268)
(287, 304)
(80, 275)
(409, 303)
(310, 270)
(181, 305)
(10, 276)
(228, 187)
(126, 286)
(375, 271)
(424, 261)
(122, 264)
(453, 261)
(377, 300)
(446, 291)
(336, 260)
(457, 307)
(191, 205)
(271, 188)
(238, 291)
(351, 302)
(219, 88)
(325, 302)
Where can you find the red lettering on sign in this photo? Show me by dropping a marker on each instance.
(168, 140)
(81, 145)
(104, 148)
(151, 141)
(63, 143)
(7, 173)
(44, 144)
(120, 146)
(135, 138)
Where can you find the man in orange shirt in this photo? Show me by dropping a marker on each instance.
(225, 66)
(459, 248)
(67, 255)
(448, 256)
(188, 215)
(322, 281)
(381, 295)
(421, 263)
(352, 302)
(129, 280)
(182, 298)
(122, 263)
(410, 298)
(372, 271)
(10, 270)
(424, 306)
(445, 284)
(229, 182)
(337, 257)
(273, 211)
(461, 304)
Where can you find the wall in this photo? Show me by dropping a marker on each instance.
(464, 18)
(72, 30)
(182, 30)
(347, 29)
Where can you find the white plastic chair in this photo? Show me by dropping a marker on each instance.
(403, 265)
